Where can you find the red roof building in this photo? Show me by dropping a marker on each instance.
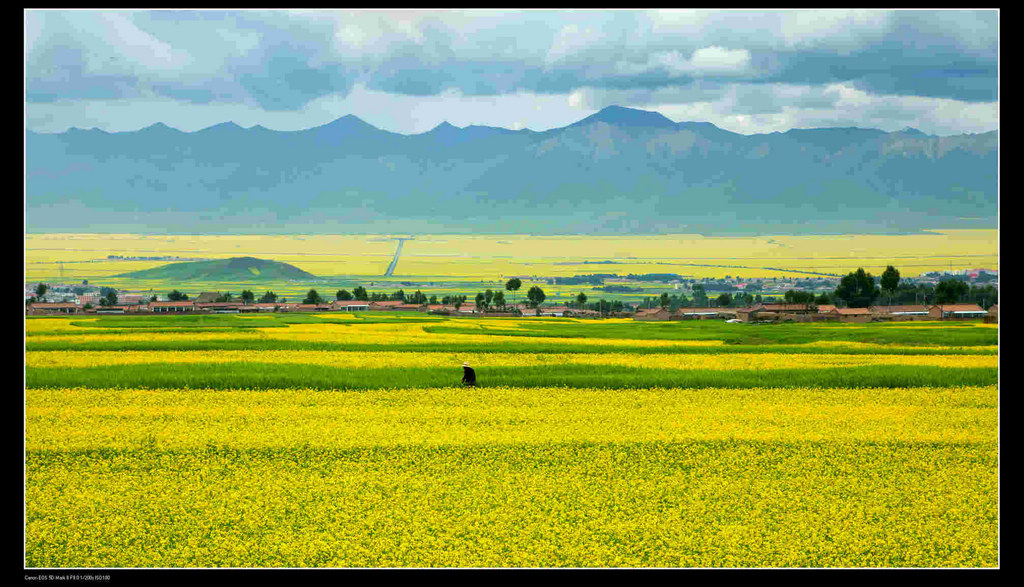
(956, 311)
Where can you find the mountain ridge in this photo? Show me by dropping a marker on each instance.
(606, 113)
(617, 171)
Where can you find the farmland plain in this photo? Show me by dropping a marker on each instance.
(452, 263)
(344, 440)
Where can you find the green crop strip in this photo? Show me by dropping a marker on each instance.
(269, 376)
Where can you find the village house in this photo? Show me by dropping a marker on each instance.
(131, 299)
(653, 314)
(385, 304)
(93, 299)
(219, 307)
(313, 308)
(350, 305)
(956, 311)
(287, 306)
(772, 311)
(903, 310)
(54, 308)
(118, 309)
(207, 297)
(407, 307)
(580, 313)
(168, 307)
(993, 314)
(262, 307)
(703, 313)
(853, 314)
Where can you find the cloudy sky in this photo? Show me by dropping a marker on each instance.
(407, 71)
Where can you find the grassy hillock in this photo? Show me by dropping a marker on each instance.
(233, 269)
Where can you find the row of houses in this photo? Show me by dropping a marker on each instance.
(813, 313)
(756, 313)
(210, 307)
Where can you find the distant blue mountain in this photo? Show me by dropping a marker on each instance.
(620, 170)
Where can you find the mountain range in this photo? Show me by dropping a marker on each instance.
(620, 170)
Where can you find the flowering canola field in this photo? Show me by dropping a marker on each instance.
(347, 442)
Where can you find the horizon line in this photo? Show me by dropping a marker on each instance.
(445, 123)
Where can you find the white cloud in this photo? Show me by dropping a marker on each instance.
(840, 29)
(133, 46)
(572, 40)
(719, 60)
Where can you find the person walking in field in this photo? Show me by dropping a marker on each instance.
(468, 376)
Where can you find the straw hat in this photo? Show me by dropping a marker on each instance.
(464, 364)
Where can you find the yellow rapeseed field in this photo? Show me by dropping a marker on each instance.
(119, 474)
(78, 418)
(497, 256)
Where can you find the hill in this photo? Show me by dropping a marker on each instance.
(233, 269)
(620, 170)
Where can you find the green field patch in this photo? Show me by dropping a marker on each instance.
(254, 375)
(738, 334)
(38, 342)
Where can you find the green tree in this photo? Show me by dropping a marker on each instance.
(111, 298)
(536, 296)
(794, 296)
(481, 302)
(724, 300)
(268, 298)
(499, 299)
(488, 297)
(247, 296)
(433, 299)
(513, 286)
(177, 296)
(700, 296)
(224, 297)
(663, 301)
(857, 289)
(360, 294)
(890, 281)
(985, 296)
(343, 295)
(581, 299)
(950, 291)
(823, 298)
(312, 297)
(41, 291)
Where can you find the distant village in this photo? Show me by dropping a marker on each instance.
(730, 299)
